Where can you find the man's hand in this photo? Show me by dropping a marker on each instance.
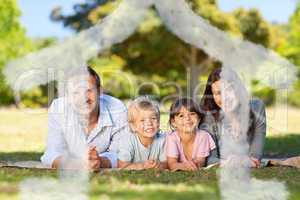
(94, 161)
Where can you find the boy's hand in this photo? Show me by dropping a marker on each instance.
(150, 164)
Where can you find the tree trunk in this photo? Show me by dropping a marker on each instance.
(196, 62)
(17, 100)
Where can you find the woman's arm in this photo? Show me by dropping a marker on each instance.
(259, 130)
(213, 158)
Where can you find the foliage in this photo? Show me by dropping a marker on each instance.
(13, 42)
(267, 94)
(153, 51)
(291, 50)
(253, 27)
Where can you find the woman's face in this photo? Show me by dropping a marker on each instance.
(227, 102)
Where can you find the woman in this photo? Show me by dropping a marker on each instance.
(213, 107)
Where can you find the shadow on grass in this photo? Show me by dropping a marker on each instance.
(20, 156)
(285, 145)
(157, 194)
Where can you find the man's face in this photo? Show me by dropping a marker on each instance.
(83, 94)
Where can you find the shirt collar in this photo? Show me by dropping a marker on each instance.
(105, 117)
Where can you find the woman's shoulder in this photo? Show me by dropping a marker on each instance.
(257, 105)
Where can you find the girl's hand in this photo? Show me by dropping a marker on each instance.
(189, 166)
(200, 161)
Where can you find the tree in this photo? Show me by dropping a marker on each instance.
(292, 47)
(291, 50)
(13, 42)
(253, 27)
(154, 50)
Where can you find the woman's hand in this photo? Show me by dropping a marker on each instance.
(255, 163)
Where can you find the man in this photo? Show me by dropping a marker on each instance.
(85, 125)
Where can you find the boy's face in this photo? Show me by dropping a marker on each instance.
(185, 121)
(146, 123)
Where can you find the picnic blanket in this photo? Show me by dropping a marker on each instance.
(290, 162)
(24, 164)
(31, 164)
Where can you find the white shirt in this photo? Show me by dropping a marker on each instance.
(66, 136)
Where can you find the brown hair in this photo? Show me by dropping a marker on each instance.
(208, 103)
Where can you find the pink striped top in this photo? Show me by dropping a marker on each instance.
(203, 144)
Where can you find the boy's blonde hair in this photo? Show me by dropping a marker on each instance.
(143, 103)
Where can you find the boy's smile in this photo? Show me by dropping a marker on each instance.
(146, 123)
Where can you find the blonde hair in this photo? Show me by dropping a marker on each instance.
(143, 103)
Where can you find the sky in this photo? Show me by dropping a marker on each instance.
(35, 13)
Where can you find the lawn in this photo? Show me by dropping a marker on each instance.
(23, 133)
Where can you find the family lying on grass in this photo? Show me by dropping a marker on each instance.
(130, 138)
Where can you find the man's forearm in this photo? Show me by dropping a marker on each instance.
(68, 163)
(105, 162)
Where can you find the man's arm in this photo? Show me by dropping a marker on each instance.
(57, 162)
(56, 145)
(62, 162)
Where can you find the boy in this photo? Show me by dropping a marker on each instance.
(144, 146)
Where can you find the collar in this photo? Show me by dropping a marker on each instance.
(105, 117)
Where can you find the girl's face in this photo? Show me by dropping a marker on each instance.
(185, 121)
(229, 101)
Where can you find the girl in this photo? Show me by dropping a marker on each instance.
(187, 147)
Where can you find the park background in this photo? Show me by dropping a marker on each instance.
(152, 58)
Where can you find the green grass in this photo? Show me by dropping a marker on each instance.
(285, 145)
(23, 134)
(150, 184)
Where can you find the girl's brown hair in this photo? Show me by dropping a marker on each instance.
(187, 103)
